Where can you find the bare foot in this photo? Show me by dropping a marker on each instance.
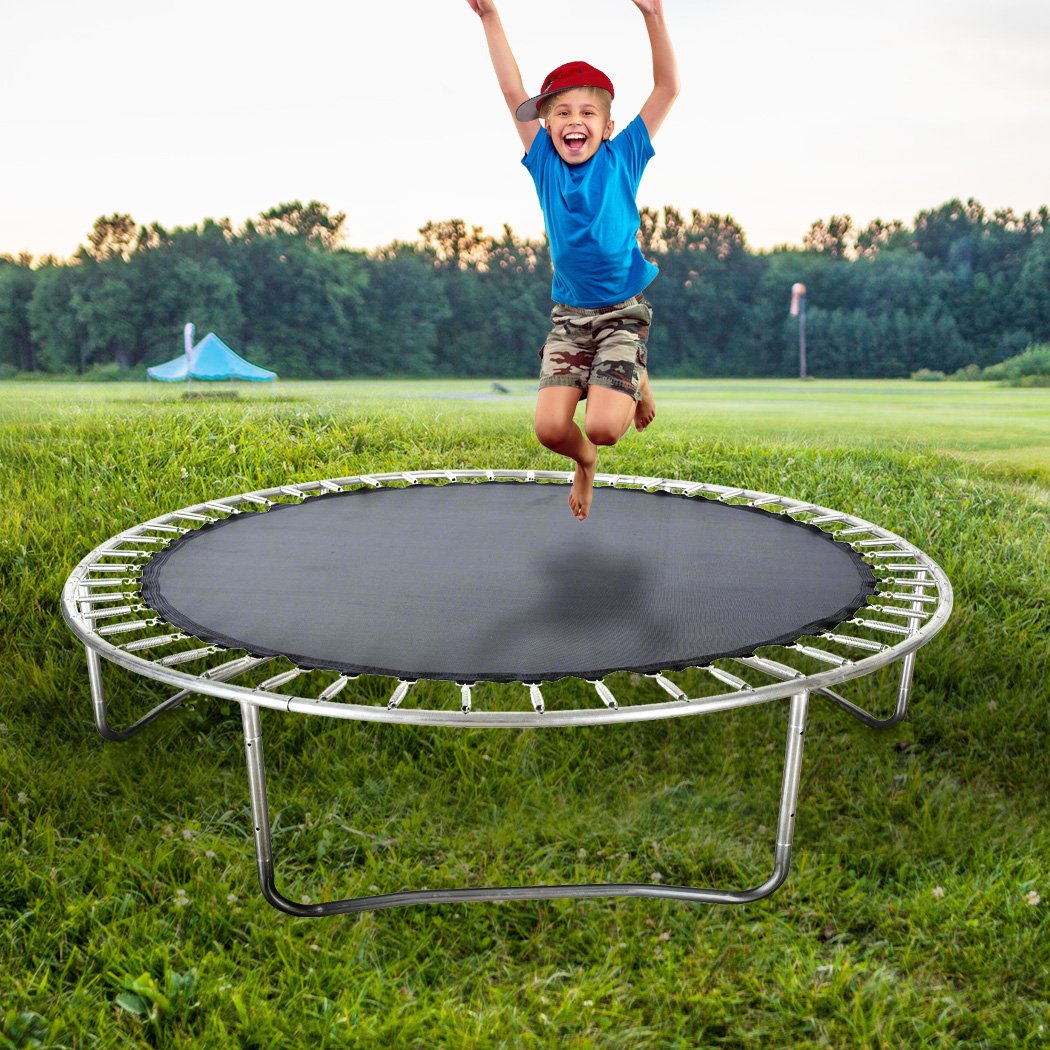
(645, 410)
(583, 486)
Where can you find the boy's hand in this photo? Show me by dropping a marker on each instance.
(647, 7)
(482, 7)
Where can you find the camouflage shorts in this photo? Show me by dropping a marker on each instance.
(602, 347)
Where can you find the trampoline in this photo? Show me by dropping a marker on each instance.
(470, 596)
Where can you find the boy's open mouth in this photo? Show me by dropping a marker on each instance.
(575, 141)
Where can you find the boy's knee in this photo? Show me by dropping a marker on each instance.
(603, 432)
(552, 433)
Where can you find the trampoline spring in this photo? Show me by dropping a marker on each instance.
(156, 642)
(290, 490)
(125, 553)
(825, 519)
(879, 625)
(771, 667)
(820, 654)
(125, 628)
(214, 504)
(106, 596)
(464, 699)
(874, 543)
(279, 679)
(232, 668)
(856, 530)
(330, 486)
(188, 656)
(927, 598)
(894, 611)
(856, 643)
(900, 567)
(142, 538)
(765, 501)
(909, 581)
(669, 687)
(188, 515)
(109, 614)
(399, 695)
(895, 553)
(369, 480)
(112, 568)
(158, 527)
(536, 696)
(728, 679)
(606, 695)
(260, 501)
(334, 689)
(730, 494)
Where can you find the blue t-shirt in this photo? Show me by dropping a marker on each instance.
(591, 216)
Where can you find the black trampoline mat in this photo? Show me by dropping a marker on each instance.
(496, 581)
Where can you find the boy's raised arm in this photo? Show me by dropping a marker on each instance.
(666, 83)
(506, 68)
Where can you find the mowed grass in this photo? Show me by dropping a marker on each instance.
(916, 911)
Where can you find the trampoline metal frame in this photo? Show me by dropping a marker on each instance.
(101, 602)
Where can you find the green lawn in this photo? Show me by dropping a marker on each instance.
(916, 911)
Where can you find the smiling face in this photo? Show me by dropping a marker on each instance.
(578, 122)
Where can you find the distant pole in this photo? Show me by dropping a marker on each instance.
(798, 309)
(189, 333)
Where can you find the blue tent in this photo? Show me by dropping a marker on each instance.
(211, 358)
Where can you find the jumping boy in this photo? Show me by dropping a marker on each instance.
(587, 182)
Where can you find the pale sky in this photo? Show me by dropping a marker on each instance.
(389, 111)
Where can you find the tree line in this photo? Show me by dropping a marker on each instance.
(957, 287)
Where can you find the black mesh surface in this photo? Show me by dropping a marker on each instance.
(497, 582)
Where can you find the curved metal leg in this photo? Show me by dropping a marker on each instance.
(98, 703)
(899, 711)
(264, 851)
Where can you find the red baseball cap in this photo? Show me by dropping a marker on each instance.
(564, 78)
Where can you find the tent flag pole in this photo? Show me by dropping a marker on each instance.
(188, 335)
(798, 309)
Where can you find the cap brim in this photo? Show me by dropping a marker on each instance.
(530, 109)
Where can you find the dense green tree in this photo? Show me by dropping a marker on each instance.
(1029, 300)
(879, 236)
(961, 286)
(17, 348)
(312, 224)
(56, 329)
(835, 238)
(407, 310)
(112, 237)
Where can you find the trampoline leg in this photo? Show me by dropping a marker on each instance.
(98, 703)
(903, 687)
(788, 798)
(253, 753)
(264, 852)
(789, 789)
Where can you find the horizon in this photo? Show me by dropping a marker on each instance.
(342, 244)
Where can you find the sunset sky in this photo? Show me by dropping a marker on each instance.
(390, 111)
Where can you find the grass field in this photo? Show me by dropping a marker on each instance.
(916, 911)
